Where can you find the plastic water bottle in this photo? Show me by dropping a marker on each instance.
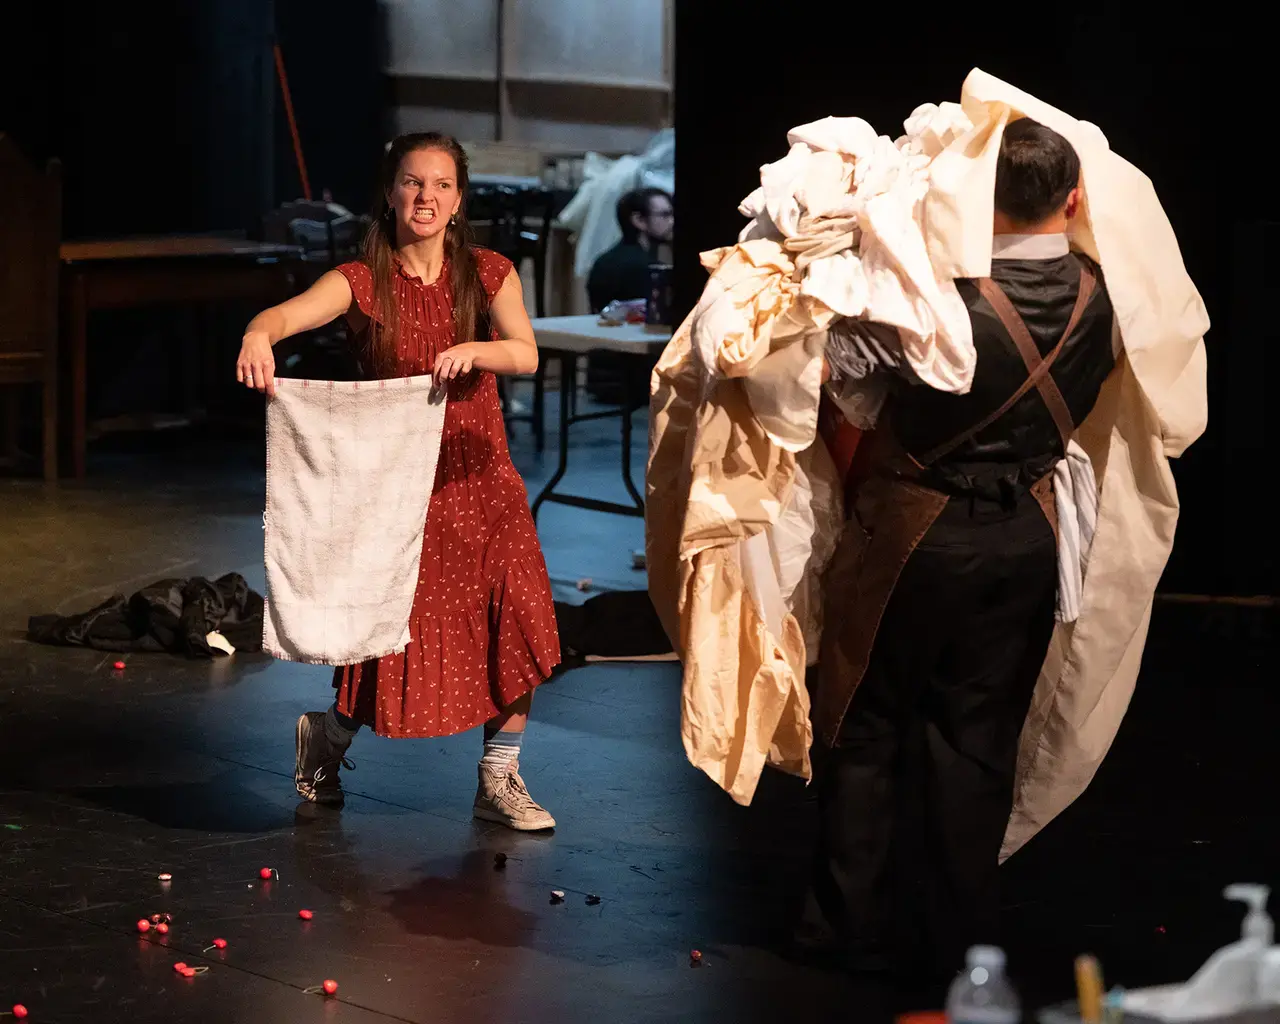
(982, 994)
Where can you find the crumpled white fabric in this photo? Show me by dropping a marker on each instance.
(752, 293)
(350, 469)
(803, 541)
(849, 203)
(592, 212)
(813, 182)
(846, 205)
(1075, 495)
(782, 565)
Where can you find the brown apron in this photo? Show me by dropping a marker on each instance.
(892, 511)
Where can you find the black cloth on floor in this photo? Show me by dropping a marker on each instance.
(615, 624)
(173, 615)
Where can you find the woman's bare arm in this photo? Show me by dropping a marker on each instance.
(324, 301)
(515, 351)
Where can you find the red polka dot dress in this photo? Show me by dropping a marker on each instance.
(483, 628)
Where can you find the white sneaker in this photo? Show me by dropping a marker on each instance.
(503, 798)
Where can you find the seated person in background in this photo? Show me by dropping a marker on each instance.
(647, 217)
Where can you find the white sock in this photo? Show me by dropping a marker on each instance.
(501, 749)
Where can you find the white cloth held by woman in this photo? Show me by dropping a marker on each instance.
(350, 470)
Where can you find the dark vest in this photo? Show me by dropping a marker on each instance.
(897, 502)
(1001, 462)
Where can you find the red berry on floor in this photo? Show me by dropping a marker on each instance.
(188, 972)
(219, 943)
(162, 928)
(179, 967)
(144, 925)
(306, 915)
(264, 873)
(119, 666)
(19, 1011)
(330, 987)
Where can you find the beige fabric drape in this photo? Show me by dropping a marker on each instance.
(716, 485)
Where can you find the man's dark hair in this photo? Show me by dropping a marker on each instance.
(1036, 171)
(636, 201)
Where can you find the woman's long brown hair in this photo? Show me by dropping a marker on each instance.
(470, 304)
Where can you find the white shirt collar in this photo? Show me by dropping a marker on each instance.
(1029, 247)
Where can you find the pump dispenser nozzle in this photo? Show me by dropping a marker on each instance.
(1257, 925)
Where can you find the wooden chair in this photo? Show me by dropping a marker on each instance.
(30, 234)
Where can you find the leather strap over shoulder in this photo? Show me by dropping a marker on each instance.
(1037, 366)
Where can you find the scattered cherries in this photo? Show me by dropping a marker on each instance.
(329, 987)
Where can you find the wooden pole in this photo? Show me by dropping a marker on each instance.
(293, 124)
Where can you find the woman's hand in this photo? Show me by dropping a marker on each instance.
(256, 367)
(328, 298)
(455, 362)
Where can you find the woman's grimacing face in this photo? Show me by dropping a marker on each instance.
(425, 194)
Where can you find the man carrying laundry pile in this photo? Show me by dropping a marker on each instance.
(963, 551)
(1021, 416)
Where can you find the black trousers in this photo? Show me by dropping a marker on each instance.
(915, 796)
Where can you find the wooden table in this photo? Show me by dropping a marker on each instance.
(124, 273)
(568, 338)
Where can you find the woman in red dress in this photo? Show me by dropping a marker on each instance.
(424, 300)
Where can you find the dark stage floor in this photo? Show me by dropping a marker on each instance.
(186, 768)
